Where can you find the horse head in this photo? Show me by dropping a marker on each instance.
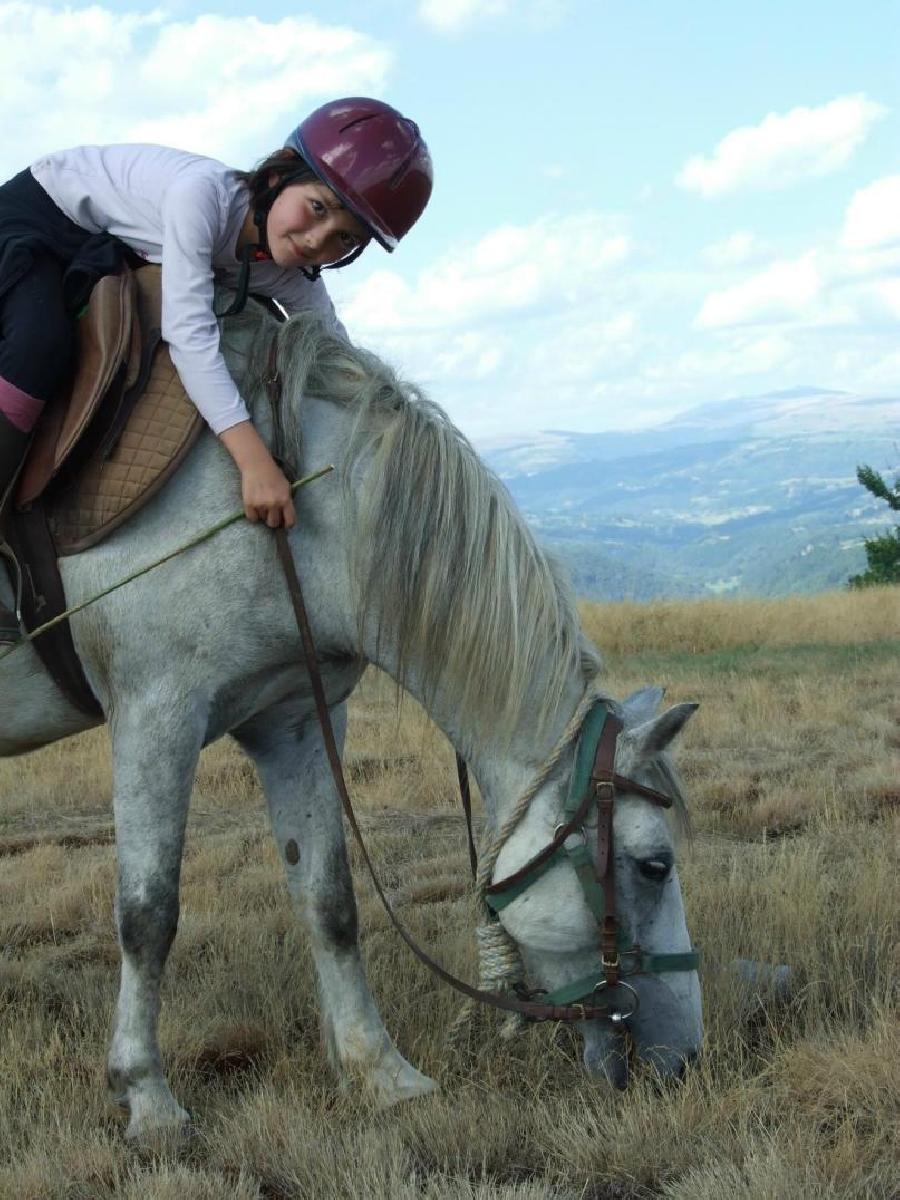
(645, 972)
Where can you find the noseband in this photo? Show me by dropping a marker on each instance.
(594, 781)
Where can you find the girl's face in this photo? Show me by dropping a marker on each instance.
(309, 227)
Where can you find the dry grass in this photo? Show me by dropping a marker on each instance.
(833, 618)
(791, 766)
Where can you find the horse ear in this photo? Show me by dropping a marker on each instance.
(654, 736)
(642, 704)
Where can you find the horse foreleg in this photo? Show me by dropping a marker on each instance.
(305, 814)
(154, 760)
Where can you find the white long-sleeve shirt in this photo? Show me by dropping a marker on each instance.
(185, 212)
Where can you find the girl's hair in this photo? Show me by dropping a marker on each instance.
(285, 165)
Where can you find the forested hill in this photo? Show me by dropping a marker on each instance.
(754, 495)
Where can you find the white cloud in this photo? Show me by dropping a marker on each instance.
(741, 358)
(827, 286)
(734, 251)
(473, 355)
(518, 327)
(582, 348)
(231, 87)
(451, 16)
(455, 16)
(510, 270)
(785, 148)
(876, 370)
(523, 328)
(783, 290)
(878, 303)
(873, 215)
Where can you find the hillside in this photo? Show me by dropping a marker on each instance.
(755, 495)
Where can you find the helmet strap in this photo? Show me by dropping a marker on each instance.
(243, 287)
(345, 262)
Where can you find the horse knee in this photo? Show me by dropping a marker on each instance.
(147, 922)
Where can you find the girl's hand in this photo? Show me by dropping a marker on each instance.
(267, 497)
(264, 489)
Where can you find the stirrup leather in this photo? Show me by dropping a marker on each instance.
(11, 619)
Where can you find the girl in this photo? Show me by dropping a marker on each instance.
(354, 170)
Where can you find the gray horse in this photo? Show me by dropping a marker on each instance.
(412, 557)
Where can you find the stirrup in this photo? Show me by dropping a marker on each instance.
(11, 619)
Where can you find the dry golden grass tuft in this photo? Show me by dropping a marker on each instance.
(832, 618)
(791, 766)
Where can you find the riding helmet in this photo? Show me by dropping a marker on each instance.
(374, 159)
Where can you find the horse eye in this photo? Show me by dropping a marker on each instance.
(656, 869)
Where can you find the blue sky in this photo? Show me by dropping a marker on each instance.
(637, 207)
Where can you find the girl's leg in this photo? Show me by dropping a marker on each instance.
(37, 339)
(13, 441)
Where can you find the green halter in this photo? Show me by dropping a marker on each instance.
(584, 786)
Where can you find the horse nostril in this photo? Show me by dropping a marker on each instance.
(685, 1062)
(668, 1070)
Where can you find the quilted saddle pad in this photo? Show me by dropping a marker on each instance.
(116, 481)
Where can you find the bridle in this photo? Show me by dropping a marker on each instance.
(594, 781)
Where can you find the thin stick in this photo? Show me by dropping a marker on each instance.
(196, 541)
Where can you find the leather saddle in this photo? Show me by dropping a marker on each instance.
(97, 458)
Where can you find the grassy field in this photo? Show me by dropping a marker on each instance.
(791, 766)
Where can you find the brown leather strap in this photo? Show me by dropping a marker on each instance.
(603, 775)
(534, 1011)
(272, 381)
(465, 794)
(602, 772)
(603, 789)
(43, 598)
(609, 951)
(562, 832)
(624, 784)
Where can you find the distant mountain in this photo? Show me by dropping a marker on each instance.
(757, 494)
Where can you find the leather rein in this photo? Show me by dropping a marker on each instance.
(594, 782)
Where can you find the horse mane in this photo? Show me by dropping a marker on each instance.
(440, 557)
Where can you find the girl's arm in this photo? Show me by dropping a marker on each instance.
(193, 214)
(264, 489)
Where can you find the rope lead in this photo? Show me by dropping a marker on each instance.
(500, 965)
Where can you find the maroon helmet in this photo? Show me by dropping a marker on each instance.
(373, 159)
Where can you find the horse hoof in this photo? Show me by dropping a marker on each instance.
(404, 1084)
(163, 1137)
(159, 1132)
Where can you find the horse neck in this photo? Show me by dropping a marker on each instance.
(503, 763)
(503, 767)
(506, 772)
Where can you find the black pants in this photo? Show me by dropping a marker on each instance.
(37, 334)
(48, 266)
